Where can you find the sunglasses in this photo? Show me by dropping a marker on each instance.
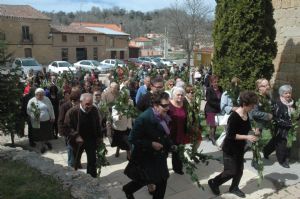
(191, 92)
(165, 105)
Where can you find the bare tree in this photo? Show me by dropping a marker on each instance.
(188, 24)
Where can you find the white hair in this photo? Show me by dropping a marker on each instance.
(85, 95)
(180, 84)
(177, 89)
(39, 90)
(284, 88)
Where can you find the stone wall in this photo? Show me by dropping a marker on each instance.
(81, 185)
(287, 61)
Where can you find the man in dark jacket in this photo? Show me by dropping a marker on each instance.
(84, 131)
(74, 100)
(156, 84)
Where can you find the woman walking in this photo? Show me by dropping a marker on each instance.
(212, 106)
(41, 113)
(151, 144)
(234, 143)
(282, 111)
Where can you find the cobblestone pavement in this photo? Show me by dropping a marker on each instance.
(278, 182)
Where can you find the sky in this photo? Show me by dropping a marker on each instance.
(84, 5)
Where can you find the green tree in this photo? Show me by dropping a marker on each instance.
(244, 41)
(10, 98)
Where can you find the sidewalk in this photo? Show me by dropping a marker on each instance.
(181, 187)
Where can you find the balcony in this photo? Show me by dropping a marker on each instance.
(27, 39)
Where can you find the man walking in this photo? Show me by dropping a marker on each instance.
(85, 131)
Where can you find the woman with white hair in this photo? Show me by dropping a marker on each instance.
(178, 124)
(41, 113)
(282, 111)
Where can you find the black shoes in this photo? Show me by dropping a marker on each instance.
(236, 191)
(128, 195)
(43, 149)
(254, 165)
(179, 172)
(49, 145)
(266, 156)
(32, 144)
(213, 141)
(285, 165)
(215, 189)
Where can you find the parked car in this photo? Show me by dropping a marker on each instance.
(158, 64)
(167, 62)
(113, 62)
(93, 65)
(60, 67)
(27, 64)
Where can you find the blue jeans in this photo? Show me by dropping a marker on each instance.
(70, 155)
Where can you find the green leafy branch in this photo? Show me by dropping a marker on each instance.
(35, 110)
(292, 135)
(190, 159)
(123, 106)
(101, 160)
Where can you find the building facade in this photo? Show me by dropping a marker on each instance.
(29, 33)
(26, 32)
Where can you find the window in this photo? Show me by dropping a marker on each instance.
(54, 64)
(81, 38)
(95, 39)
(25, 33)
(64, 54)
(2, 36)
(111, 42)
(122, 54)
(64, 38)
(28, 52)
(95, 53)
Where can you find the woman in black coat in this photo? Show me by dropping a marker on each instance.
(151, 144)
(212, 106)
(282, 111)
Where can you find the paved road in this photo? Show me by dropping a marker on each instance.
(180, 187)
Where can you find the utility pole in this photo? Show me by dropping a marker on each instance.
(166, 43)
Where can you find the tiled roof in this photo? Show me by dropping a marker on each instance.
(73, 29)
(102, 25)
(133, 45)
(21, 11)
(142, 39)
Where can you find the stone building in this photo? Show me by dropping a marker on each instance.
(29, 33)
(116, 41)
(287, 61)
(26, 32)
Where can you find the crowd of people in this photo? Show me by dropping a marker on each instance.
(83, 111)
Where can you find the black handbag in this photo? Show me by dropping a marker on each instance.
(135, 172)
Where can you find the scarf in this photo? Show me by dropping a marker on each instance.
(163, 121)
(288, 104)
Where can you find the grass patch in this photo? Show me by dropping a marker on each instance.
(19, 181)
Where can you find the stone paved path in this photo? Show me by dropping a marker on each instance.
(181, 187)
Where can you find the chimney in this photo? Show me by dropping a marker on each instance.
(121, 26)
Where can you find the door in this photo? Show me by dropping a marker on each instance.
(81, 54)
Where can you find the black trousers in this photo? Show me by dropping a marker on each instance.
(134, 186)
(233, 169)
(176, 162)
(90, 150)
(278, 144)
